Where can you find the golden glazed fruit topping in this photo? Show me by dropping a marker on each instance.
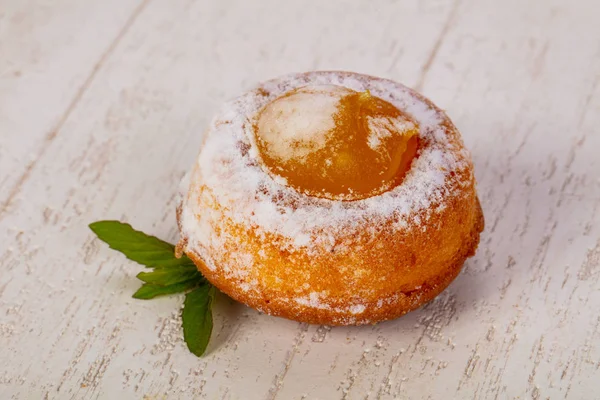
(332, 142)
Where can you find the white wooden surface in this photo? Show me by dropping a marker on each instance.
(102, 105)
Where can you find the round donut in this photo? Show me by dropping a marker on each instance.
(334, 261)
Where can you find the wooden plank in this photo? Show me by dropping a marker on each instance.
(49, 55)
(521, 81)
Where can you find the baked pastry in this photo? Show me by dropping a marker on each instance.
(331, 198)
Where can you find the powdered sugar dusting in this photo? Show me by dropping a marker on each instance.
(313, 300)
(296, 125)
(357, 309)
(228, 167)
(381, 128)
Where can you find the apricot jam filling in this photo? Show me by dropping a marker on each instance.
(332, 142)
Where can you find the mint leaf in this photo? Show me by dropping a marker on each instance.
(197, 318)
(150, 291)
(169, 276)
(137, 246)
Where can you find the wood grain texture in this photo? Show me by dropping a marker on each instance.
(102, 108)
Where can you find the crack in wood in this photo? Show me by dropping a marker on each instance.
(50, 136)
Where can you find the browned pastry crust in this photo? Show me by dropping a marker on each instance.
(396, 304)
(373, 272)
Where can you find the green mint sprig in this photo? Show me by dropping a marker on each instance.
(170, 275)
